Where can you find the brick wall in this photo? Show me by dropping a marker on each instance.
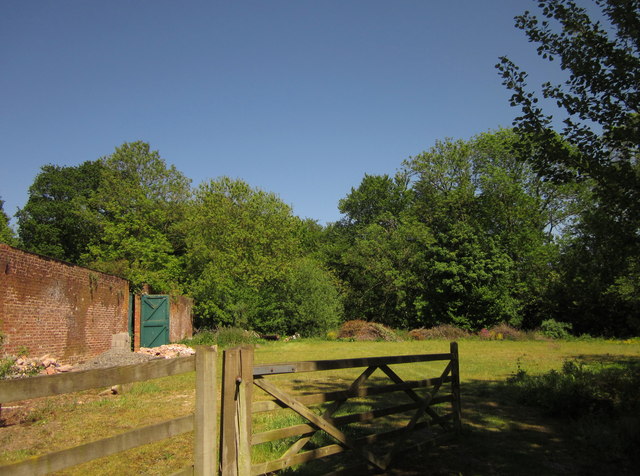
(180, 318)
(52, 307)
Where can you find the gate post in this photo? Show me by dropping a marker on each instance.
(455, 386)
(237, 383)
(205, 448)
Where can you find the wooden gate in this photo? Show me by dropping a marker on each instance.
(154, 315)
(344, 421)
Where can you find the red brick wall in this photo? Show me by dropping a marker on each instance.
(180, 318)
(52, 307)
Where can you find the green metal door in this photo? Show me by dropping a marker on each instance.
(155, 320)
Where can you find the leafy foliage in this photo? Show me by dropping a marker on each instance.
(59, 219)
(598, 146)
(601, 400)
(462, 236)
(141, 200)
(6, 233)
(555, 330)
(246, 263)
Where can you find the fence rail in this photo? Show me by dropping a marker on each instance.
(203, 421)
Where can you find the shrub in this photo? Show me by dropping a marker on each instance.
(505, 331)
(602, 403)
(556, 330)
(443, 331)
(6, 366)
(363, 330)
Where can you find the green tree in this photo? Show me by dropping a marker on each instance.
(598, 145)
(6, 233)
(241, 243)
(142, 201)
(599, 99)
(311, 299)
(58, 219)
(463, 235)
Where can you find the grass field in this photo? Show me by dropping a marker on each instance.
(500, 436)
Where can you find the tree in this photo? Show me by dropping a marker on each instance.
(58, 219)
(598, 145)
(241, 245)
(600, 98)
(141, 201)
(6, 233)
(462, 235)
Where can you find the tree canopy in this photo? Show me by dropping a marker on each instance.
(598, 146)
(6, 233)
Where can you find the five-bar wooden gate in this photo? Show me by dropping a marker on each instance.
(426, 418)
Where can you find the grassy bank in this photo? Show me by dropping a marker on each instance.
(501, 436)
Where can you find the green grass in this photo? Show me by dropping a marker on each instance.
(501, 436)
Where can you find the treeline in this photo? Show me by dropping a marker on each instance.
(465, 233)
(516, 226)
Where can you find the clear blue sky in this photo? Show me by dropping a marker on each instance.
(298, 97)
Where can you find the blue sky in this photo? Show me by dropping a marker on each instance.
(300, 98)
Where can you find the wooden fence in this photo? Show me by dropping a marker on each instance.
(423, 424)
(203, 421)
(426, 424)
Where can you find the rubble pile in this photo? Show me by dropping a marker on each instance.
(45, 365)
(168, 351)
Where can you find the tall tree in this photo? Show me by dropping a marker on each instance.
(463, 235)
(246, 264)
(142, 201)
(599, 145)
(58, 219)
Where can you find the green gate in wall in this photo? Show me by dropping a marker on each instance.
(154, 316)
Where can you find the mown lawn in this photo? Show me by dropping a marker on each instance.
(500, 436)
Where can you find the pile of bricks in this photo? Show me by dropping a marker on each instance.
(168, 351)
(46, 365)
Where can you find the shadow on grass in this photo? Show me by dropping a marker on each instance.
(499, 437)
(502, 437)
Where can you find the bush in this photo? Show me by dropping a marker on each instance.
(366, 331)
(602, 403)
(507, 332)
(6, 365)
(556, 330)
(311, 300)
(443, 331)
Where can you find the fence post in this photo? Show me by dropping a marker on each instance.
(235, 441)
(205, 445)
(455, 386)
(245, 390)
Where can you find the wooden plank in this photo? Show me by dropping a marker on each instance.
(206, 421)
(455, 387)
(313, 399)
(393, 376)
(302, 429)
(47, 385)
(307, 456)
(243, 403)
(317, 420)
(97, 449)
(334, 407)
(317, 365)
(228, 430)
(324, 452)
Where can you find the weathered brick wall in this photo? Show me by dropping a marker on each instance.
(180, 318)
(52, 307)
